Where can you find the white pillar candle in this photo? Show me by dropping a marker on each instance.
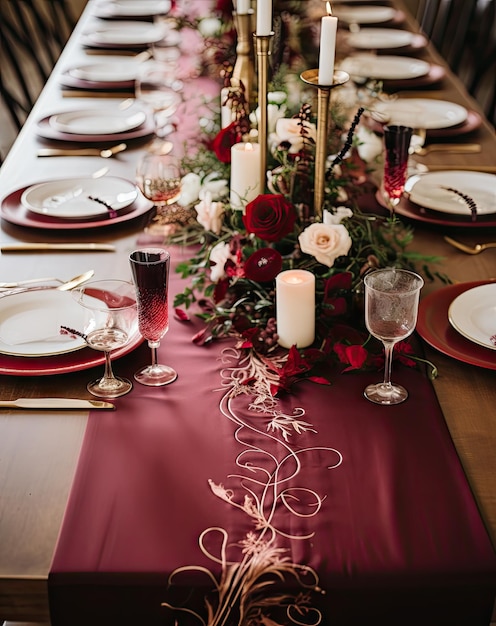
(295, 308)
(264, 17)
(242, 7)
(328, 30)
(245, 174)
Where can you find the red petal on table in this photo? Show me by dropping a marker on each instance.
(181, 315)
(319, 380)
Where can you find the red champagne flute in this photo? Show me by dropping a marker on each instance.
(397, 145)
(150, 270)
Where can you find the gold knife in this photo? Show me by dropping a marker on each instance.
(55, 403)
(490, 169)
(47, 152)
(57, 247)
(80, 93)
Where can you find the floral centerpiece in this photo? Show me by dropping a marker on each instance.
(239, 253)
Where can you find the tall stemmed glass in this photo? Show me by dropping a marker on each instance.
(391, 306)
(155, 86)
(110, 314)
(150, 270)
(397, 144)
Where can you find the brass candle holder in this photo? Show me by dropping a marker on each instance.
(263, 52)
(311, 77)
(243, 68)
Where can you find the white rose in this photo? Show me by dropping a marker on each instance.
(219, 256)
(190, 189)
(337, 216)
(217, 187)
(209, 214)
(369, 145)
(274, 114)
(209, 26)
(288, 129)
(325, 242)
(277, 97)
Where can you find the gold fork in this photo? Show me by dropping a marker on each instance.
(455, 148)
(477, 249)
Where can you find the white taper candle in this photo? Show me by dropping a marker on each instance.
(264, 17)
(328, 31)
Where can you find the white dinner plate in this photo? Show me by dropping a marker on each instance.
(420, 113)
(380, 38)
(117, 70)
(429, 191)
(386, 67)
(130, 8)
(96, 121)
(79, 198)
(30, 323)
(473, 315)
(364, 14)
(127, 34)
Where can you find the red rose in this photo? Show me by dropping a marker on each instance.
(263, 265)
(269, 217)
(225, 140)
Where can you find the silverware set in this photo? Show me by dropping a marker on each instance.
(37, 284)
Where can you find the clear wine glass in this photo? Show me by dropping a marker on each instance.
(155, 86)
(397, 144)
(150, 270)
(391, 306)
(159, 178)
(110, 314)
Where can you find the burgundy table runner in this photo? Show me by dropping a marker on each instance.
(364, 510)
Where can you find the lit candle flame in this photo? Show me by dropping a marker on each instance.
(328, 8)
(248, 147)
(294, 280)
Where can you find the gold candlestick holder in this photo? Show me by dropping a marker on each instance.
(243, 68)
(263, 52)
(311, 77)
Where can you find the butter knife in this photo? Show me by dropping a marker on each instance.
(55, 403)
(54, 247)
(47, 152)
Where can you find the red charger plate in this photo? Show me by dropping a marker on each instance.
(434, 327)
(13, 211)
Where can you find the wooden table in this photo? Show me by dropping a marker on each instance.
(39, 452)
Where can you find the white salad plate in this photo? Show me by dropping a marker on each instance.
(79, 198)
(30, 323)
(96, 121)
(129, 8)
(117, 70)
(386, 67)
(124, 33)
(380, 38)
(432, 191)
(420, 113)
(364, 14)
(473, 315)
